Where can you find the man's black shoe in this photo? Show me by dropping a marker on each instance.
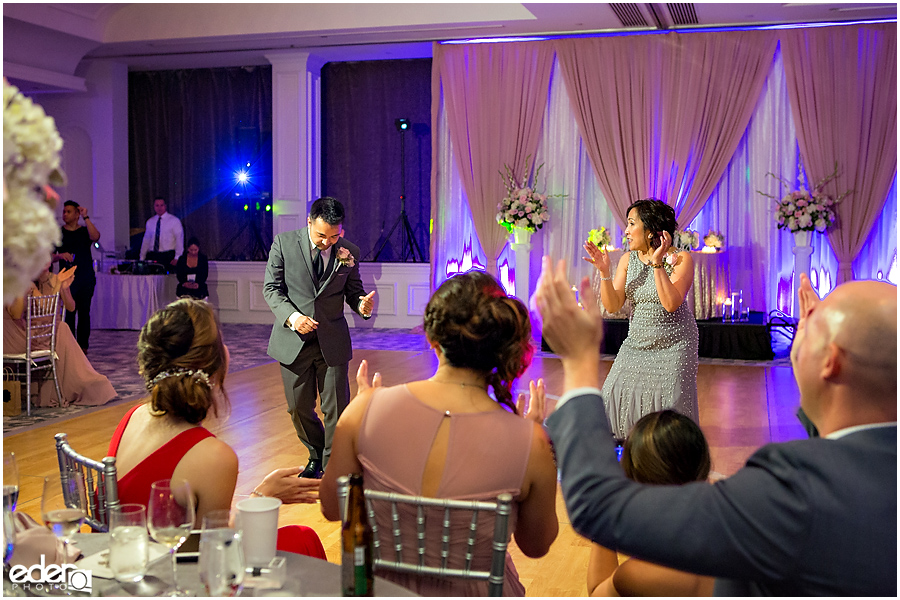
(313, 469)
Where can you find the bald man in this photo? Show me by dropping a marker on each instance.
(809, 517)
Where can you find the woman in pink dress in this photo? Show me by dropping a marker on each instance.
(446, 437)
(78, 381)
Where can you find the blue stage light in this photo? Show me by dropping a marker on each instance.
(242, 177)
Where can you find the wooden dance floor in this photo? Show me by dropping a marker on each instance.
(741, 408)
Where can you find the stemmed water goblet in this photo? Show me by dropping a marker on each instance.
(10, 480)
(221, 556)
(170, 516)
(64, 505)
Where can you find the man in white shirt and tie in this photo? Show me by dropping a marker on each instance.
(164, 237)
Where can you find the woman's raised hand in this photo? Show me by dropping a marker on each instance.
(597, 256)
(362, 378)
(65, 278)
(537, 403)
(665, 242)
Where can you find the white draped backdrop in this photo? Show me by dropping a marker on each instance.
(760, 261)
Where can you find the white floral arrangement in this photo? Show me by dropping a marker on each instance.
(687, 239)
(714, 239)
(600, 237)
(523, 206)
(804, 210)
(31, 146)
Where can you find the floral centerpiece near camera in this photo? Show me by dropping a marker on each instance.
(601, 238)
(523, 207)
(31, 147)
(687, 239)
(713, 241)
(805, 210)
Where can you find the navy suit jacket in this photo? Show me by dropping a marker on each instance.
(290, 287)
(808, 517)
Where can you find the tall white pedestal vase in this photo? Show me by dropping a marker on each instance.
(521, 245)
(802, 263)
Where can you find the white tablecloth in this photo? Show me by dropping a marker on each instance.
(127, 301)
(705, 296)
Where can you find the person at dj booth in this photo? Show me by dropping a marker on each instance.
(163, 238)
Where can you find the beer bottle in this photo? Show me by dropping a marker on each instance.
(356, 540)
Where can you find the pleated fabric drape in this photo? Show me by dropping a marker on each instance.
(495, 98)
(842, 83)
(662, 115)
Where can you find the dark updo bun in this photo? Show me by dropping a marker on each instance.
(184, 336)
(657, 216)
(666, 448)
(479, 327)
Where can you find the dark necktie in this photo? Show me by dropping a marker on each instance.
(156, 239)
(318, 264)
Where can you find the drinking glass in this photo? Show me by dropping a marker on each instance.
(129, 544)
(9, 541)
(221, 561)
(10, 480)
(64, 505)
(170, 515)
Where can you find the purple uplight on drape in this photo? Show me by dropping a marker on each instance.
(662, 115)
(495, 99)
(843, 89)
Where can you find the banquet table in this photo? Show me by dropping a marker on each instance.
(304, 576)
(710, 284)
(127, 301)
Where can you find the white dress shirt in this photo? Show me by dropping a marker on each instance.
(171, 235)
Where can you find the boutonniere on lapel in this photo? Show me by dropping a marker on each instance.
(345, 258)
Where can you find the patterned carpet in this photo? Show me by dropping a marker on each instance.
(114, 353)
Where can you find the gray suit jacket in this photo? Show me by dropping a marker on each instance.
(290, 287)
(808, 517)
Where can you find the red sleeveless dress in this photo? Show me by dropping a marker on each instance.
(134, 486)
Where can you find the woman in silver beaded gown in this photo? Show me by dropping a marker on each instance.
(656, 367)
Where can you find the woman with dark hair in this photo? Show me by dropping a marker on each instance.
(445, 437)
(192, 270)
(183, 359)
(656, 367)
(664, 448)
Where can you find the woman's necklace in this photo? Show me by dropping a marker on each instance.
(461, 383)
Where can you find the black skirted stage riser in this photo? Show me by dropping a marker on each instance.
(747, 340)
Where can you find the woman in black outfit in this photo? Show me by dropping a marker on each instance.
(192, 270)
(75, 251)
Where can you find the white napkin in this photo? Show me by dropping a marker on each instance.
(98, 563)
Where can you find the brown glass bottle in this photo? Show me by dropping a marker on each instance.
(356, 542)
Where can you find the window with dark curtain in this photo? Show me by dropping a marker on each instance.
(361, 158)
(191, 133)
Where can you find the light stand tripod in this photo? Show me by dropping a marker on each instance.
(409, 247)
(257, 249)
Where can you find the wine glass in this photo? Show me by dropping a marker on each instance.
(221, 556)
(9, 541)
(10, 480)
(170, 516)
(63, 505)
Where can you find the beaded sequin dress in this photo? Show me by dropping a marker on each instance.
(656, 367)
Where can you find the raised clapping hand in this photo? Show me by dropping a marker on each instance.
(537, 403)
(807, 299)
(290, 489)
(665, 242)
(574, 332)
(597, 256)
(362, 378)
(65, 278)
(366, 305)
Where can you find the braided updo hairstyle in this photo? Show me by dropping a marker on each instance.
(184, 336)
(479, 327)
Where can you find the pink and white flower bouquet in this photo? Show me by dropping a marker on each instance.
(523, 205)
(805, 210)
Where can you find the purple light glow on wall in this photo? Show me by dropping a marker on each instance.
(466, 263)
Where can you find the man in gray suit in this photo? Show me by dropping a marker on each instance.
(809, 517)
(310, 274)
